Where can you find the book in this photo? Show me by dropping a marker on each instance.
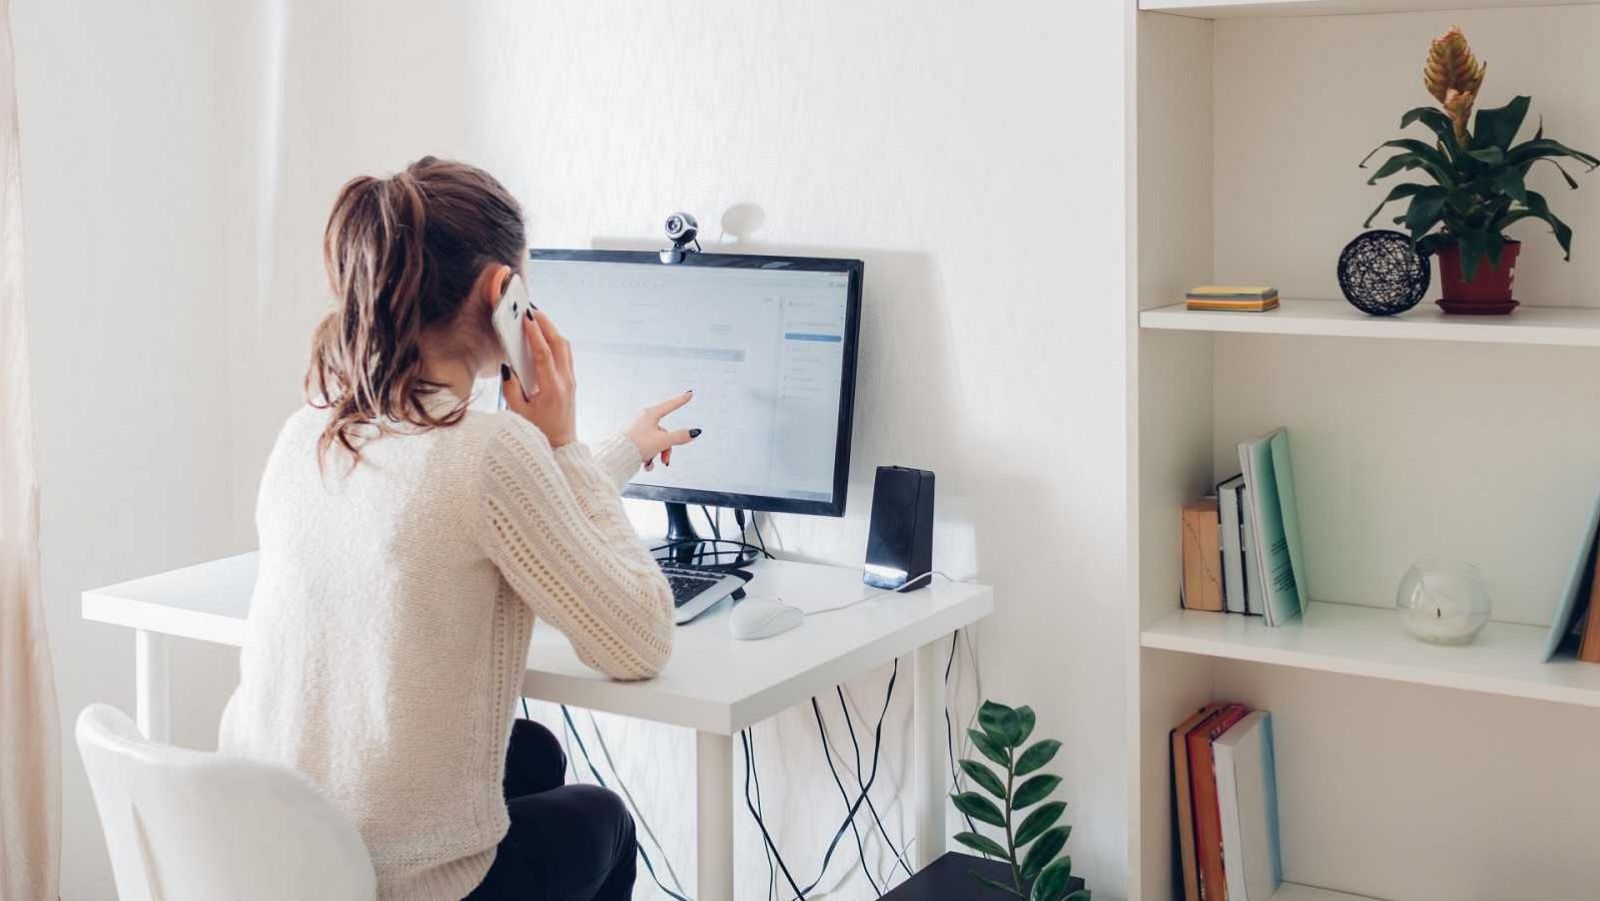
(1203, 790)
(1237, 298)
(1569, 614)
(1274, 516)
(1247, 537)
(1181, 794)
(1589, 636)
(1231, 292)
(1233, 584)
(1231, 306)
(1247, 799)
(1202, 556)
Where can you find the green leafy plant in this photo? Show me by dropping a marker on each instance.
(1479, 176)
(1039, 874)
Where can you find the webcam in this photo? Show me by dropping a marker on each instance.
(681, 231)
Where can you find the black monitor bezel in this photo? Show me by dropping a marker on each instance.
(847, 382)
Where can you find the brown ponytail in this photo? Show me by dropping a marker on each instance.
(402, 254)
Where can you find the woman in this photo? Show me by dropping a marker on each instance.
(408, 544)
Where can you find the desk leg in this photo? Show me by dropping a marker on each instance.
(152, 685)
(928, 752)
(714, 816)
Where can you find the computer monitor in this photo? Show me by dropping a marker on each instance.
(767, 343)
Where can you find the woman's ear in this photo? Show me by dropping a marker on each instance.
(493, 282)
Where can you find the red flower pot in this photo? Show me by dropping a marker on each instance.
(1489, 292)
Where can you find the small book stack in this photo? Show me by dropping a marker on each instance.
(1241, 548)
(1233, 298)
(1225, 783)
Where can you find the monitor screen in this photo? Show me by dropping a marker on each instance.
(767, 343)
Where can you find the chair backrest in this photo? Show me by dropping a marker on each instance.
(187, 825)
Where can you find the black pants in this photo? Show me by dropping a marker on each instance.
(567, 842)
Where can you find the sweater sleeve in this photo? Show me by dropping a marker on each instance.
(617, 458)
(553, 523)
(614, 458)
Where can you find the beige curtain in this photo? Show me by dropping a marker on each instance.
(30, 768)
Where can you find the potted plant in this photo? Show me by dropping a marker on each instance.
(1039, 874)
(1478, 177)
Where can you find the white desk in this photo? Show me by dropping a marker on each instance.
(713, 684)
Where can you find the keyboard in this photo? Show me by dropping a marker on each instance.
(694, 591)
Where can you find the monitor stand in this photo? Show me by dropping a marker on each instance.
(681, 535)
(687, 548)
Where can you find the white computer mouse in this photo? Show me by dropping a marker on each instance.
(755, 618)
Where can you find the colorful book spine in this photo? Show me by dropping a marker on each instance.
(1207, 812)
(1183, 789)
(1232, 298)
(1232, 306)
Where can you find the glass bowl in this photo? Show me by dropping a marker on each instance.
(1443, 602)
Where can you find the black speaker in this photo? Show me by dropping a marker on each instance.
(900, 538)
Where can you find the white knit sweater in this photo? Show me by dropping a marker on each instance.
(390, 622)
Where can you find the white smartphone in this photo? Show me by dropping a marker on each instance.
(509, 314)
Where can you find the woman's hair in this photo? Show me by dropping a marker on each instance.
(402, 254)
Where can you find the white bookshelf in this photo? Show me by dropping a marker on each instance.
(1550, 325)
(1405, 770)
(1506, 659)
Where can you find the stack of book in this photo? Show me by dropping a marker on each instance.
(1233, 298)
(1225, 782)
(1241, 548)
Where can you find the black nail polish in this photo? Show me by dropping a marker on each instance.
(694, 433)
(505, 373)
(530, 315)
(688, 391)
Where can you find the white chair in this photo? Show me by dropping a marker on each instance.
(187, 825)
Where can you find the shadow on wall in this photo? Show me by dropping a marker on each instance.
(910, 409)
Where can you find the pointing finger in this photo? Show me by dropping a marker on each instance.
(672, 403)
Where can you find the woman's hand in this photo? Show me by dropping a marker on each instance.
(553, 407)
(651, 439)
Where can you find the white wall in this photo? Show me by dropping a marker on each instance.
(972, 158)
(122, 169)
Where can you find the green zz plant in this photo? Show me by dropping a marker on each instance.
(1039, 875)
(1478, 175)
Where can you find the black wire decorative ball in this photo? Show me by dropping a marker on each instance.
(1382, 274)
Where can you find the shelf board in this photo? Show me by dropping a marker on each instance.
(1290, 891)
(1506, 659)
(1566, 326)
(1229, 9)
